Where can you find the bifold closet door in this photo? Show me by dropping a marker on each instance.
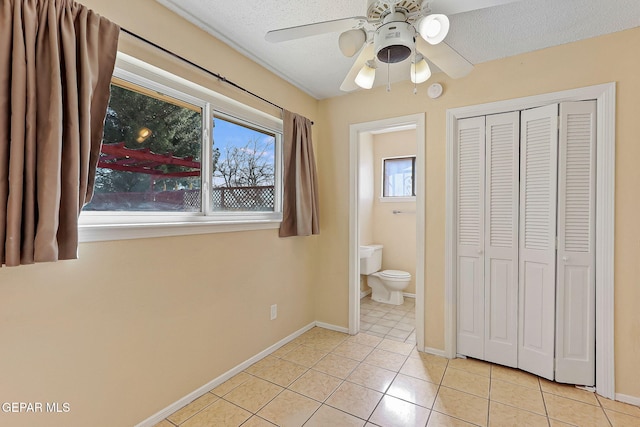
(470, 230)
(575, 321)
(537, 254)
(501, 238)
(488, 153)
(526, 240)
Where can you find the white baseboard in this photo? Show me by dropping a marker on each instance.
(164, 413)
(624, 398)
(332, 327)
(408, 295)
(435, 351)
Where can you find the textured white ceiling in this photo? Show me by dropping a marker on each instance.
(316, 65)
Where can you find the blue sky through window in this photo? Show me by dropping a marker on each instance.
(228, 135)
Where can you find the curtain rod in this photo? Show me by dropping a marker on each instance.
(201, 68)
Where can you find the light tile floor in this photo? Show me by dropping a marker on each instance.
(326, 378)
(394, 322)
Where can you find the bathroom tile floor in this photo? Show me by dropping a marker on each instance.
(327, 378)
(393, 322)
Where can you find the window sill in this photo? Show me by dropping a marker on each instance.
(397, 199)
(123, 231)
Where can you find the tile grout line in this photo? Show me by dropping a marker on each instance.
(606, 414)
(256, 415)
(544, 403)
(385, 391)
(574, 400)
(435, 398)
(354, 369)
(195, 413)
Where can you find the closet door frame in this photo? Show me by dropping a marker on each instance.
(605, 95)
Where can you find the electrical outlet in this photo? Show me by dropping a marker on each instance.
(274, 311)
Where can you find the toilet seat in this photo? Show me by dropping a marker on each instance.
(395, 274)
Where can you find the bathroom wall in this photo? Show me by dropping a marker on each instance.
(366, 189)
(366, 194)
(396, 232)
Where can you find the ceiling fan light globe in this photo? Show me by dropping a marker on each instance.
(351, 41)
(366, 77)
(434, 28)
(420, 72)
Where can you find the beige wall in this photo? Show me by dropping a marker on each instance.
(365, 196)
(366, 189)
(599, 60)
(133, 326)
(397, 233)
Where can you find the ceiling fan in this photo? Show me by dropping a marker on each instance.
(394, 31)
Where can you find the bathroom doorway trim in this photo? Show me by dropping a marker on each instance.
(416, 121)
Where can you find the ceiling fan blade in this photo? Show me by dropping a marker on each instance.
(335, 26)
(451, 7)
(445, 58)
(349, 83)
(351, 41)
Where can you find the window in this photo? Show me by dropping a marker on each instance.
(244, 166)
(151, 152)
(178, 158)
(399, 177)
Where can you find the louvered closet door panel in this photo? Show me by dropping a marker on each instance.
(538, 189)
(575, 322)
(501, 242)
(470, 262)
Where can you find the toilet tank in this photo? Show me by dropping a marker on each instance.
(370, 258)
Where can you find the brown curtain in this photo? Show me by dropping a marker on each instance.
(56, 62)
(300, 201)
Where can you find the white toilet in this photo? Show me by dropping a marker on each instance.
(386, 285)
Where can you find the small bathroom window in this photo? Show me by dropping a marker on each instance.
(399, 177)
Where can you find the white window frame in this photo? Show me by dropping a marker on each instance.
(394, 199)
(112, 225)
(276, 215)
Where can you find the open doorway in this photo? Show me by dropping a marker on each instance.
(363, 135)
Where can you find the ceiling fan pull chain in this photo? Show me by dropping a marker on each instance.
(415, 72)
(389, 70)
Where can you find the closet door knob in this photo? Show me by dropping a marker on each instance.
(565, 258)
(480, 251)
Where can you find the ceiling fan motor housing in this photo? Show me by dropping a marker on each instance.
(394, 41)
